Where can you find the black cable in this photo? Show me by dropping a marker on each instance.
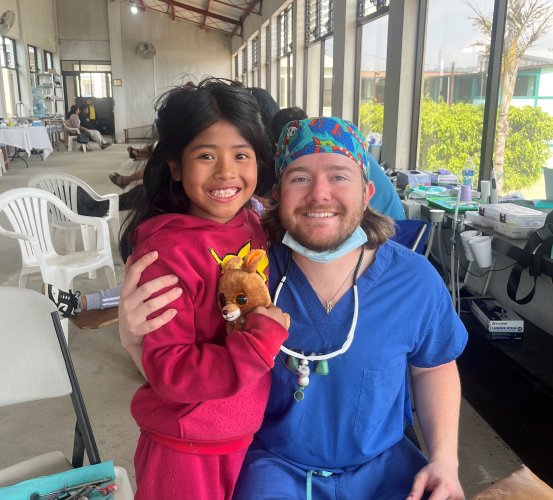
(488, 271)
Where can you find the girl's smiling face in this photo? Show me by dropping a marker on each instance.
(218, 172)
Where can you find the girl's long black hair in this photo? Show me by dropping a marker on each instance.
(182, 114)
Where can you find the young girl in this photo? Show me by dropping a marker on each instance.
(206, 391)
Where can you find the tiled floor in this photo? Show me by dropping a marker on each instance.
(108, 378)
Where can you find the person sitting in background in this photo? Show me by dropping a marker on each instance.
(124, 180)
(85, 120)
(73, 121)
(71, 303)
(140, 153)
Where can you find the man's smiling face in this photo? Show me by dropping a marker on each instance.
(322, 199)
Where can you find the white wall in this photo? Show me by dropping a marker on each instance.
(83, 29)
(183, 52)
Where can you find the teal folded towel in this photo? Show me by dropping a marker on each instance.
(48, 484)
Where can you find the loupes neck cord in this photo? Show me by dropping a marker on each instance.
(351, 334)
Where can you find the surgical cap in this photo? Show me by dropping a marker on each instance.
(321, 135)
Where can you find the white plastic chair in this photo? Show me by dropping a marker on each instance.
(65, 187)
(27, 210)
(70, 134)
(35, 364)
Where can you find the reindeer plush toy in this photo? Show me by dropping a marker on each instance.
(242, 289)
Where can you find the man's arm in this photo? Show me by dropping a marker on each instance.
(135, 306)
(437, 394)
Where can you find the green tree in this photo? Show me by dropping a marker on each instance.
(371, 117)
(527, 21)
(527, 147)
(451, 134)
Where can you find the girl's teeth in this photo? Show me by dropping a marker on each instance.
(224, 193)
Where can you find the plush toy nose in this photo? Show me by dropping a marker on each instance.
(230, 312)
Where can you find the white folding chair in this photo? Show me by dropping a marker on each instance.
(66, 188)
(35, 364)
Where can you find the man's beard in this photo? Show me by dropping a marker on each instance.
(349, 223)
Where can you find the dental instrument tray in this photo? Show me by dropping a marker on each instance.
(511, 213)
(448, 203)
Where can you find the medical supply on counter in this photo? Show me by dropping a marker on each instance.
(448, 203)
(513, 221)
(423, 192)
(513, 214)
(443, 177)
(413, 178)
(485, 187)
(500, 322)
(466, 193)
(494, 195)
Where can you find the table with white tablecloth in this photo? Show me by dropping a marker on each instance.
(27, 139)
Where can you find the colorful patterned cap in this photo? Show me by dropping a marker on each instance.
(321, 135)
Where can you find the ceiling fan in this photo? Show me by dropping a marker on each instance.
(145, 50)
(6, 21)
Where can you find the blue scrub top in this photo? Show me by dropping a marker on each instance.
(385, 199)
(358, 410)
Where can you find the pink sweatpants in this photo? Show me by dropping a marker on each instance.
(163, 473)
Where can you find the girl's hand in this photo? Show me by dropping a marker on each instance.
(275, 313)
(134, 306)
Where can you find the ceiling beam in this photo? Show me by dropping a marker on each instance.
(247, 12)
(238, 6)
(205, 12)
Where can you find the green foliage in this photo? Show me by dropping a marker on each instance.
(371, 117)
(527, 149)
(451, 134)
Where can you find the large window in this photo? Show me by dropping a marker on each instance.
(48, 60)
(34, 66)
(245, 66)
(10, 80)
(326, 72)
(372, 75)
(454, 83)
(254, 51)
(524, 140)
(319, 28)
(457, 117)
(285, 57)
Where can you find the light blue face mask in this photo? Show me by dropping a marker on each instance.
(357, 238)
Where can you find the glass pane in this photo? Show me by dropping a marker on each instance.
(10, 52)
(319, 19)
(454, 85)
(367, 7)
(327, 76)
(94, 85)
(283, 83)
(373, 78)
(32, 59)
(524, 140)
(11, 93)
(95, 67)
(2, 54)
